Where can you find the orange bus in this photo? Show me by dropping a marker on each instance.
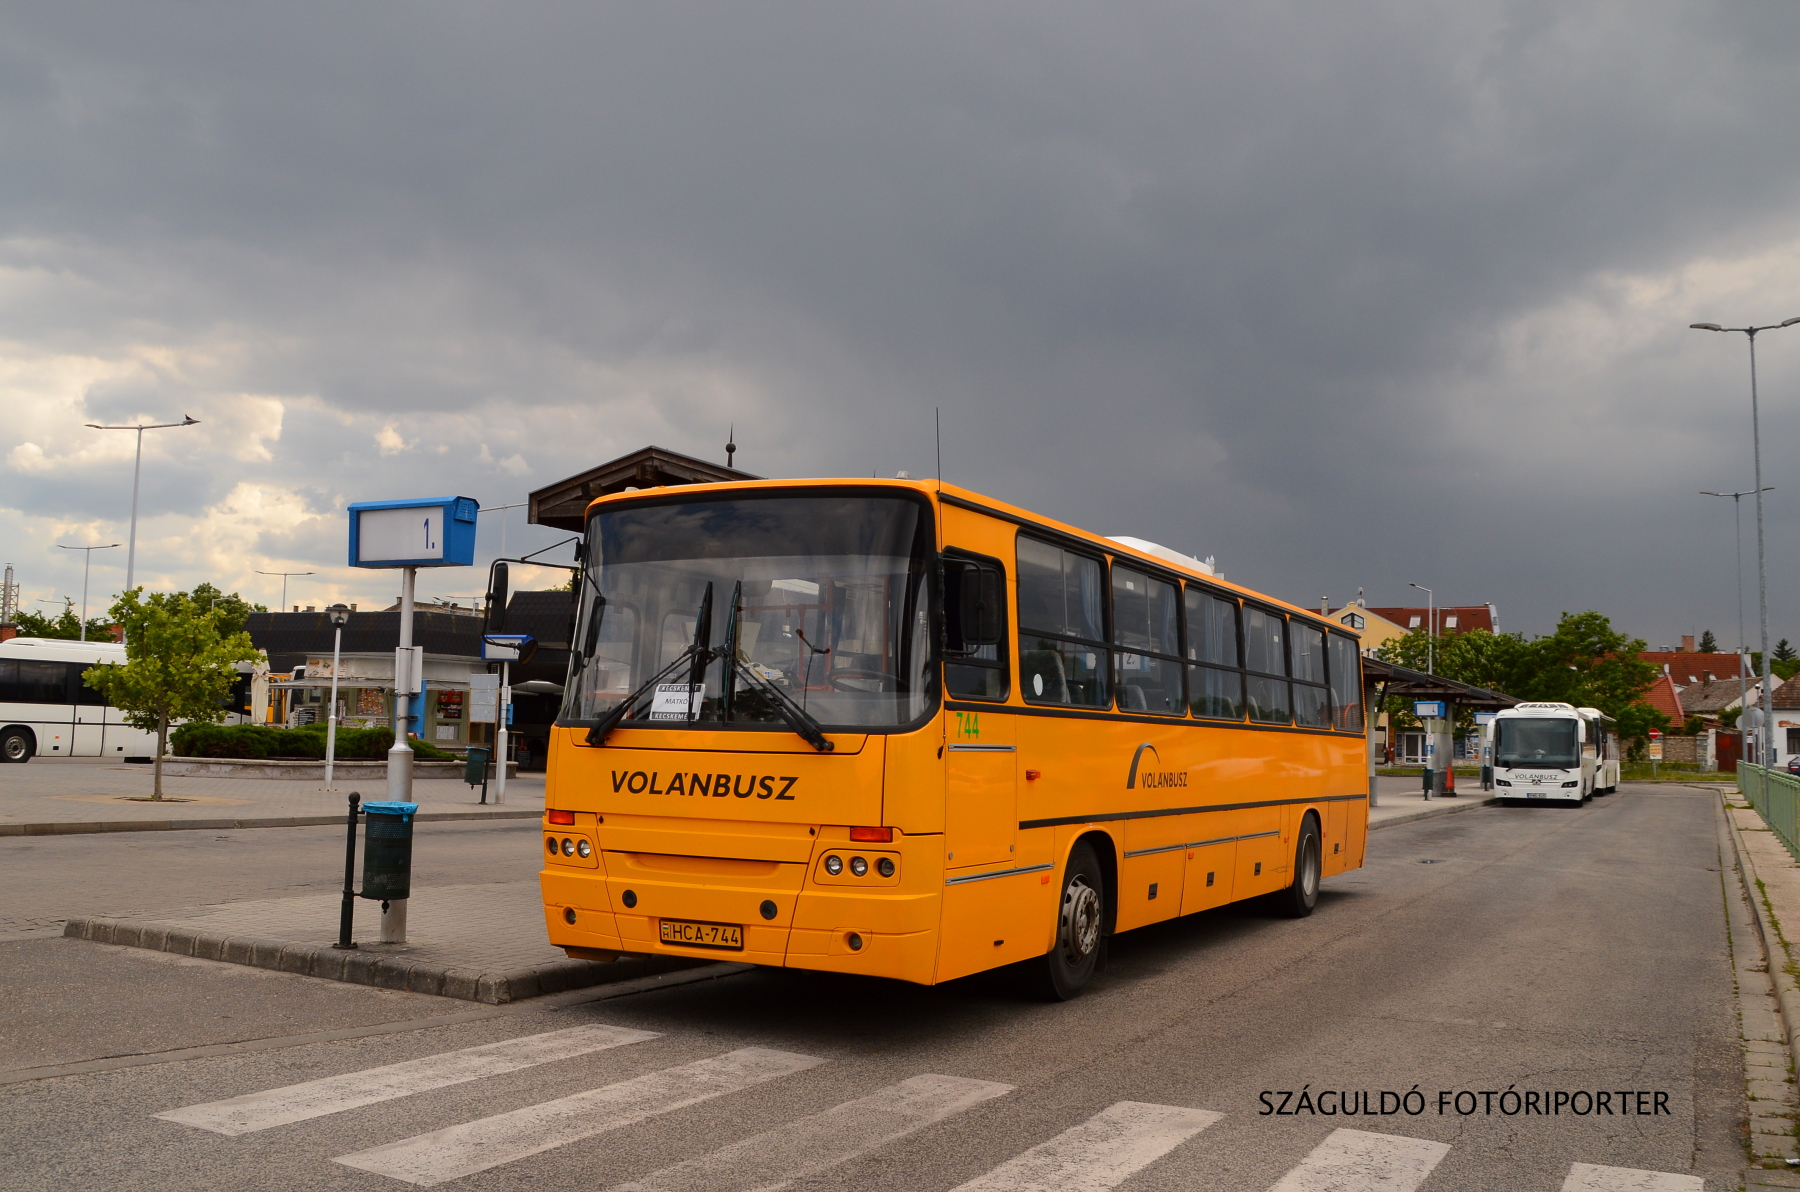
(903, 729)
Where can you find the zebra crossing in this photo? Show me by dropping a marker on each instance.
(1095, 1155)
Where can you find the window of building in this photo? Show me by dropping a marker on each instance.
(1354, 620)
(1414, 621)
(1147, 630)
(1450, 621)
(1062, 635)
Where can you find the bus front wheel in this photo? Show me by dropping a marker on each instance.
(1298, 900)
(16, 745)
(1080, 927)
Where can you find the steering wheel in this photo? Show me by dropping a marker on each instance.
(881, 677)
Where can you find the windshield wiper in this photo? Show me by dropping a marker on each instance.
(798, 718)
(598, 733)
(728, 674)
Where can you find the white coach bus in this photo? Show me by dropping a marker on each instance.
(1555, 752)
(46, 709)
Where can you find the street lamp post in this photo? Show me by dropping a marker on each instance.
(284, 579)
(137, 469)
(340, 617)
(1766, 746)
(86, 566)
(1430, 627)
(1737, 530)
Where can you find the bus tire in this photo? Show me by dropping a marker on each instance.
(1075, 954)
(16, 745)
(1298, 900)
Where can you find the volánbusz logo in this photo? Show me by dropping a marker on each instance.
(1152, 778)
(718, 786)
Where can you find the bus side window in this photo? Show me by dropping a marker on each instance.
(31, 682)
(1346, 685)
(975, 671)
(1062, 626)
(1146, 627)
(1265, 657)
(79, 691)
(1215, 674)
(1306, 645)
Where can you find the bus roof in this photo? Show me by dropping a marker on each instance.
(951, 494)
(57, 649)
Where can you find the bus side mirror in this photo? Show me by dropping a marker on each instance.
(495, 619)
(972, 595)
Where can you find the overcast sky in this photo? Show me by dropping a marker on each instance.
(1345, 295)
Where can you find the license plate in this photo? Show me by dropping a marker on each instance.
(1535, 795)
(727, 937)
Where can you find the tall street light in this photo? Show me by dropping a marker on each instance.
(136, 471)
(86, 566)
(284, 579)
(339, 615)
(1430, 627)
(1737, 527)
(1766, 747)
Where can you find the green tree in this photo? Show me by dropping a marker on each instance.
(178, 665)
(65, 625)
(1782, 651)
(1708, 643)
(233, 610)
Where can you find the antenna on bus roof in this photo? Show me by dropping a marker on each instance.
(937, 433)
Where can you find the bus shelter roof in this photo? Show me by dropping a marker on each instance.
(1414, 684)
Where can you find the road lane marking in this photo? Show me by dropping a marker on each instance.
(775, 1158)
(456, 1151)
(1590, 1177)
(334, 1094)
(1356, 1161)
(1099, 1154)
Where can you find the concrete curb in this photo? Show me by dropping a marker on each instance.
(82, 827)
(369, 968)
(1431, 813)
(1787, 993)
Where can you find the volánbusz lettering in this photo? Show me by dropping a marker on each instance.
(717, 786)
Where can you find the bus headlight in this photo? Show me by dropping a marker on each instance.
(568, 847)
(583, 849)
(834, 865)
(858, 866)
(885, 867)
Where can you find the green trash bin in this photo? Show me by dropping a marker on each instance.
(475, 767)
(387, 850)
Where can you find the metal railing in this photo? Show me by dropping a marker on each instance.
(1776, 796)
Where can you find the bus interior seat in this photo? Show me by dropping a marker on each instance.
(1131, 698)
(1046, 665)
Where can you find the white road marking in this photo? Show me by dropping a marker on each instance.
(1355, 1161)
(1099, 1154)
(1589, 1177)
(456, 1151)
(775, 1158)
(334, 1094)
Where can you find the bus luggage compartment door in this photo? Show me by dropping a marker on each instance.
(981, 796)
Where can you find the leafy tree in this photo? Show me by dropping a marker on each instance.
(1708, 643)
(178, 665)
(66, 625)
(1783, 652)
(233, 610)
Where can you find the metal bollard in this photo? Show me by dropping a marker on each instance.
(347, 914)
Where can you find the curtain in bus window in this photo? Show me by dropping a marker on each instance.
(1215, 693)
(1268, 700)
(1146, 620)
(1062, 672)
(23, 682)
(1306, 647)
(1212, 629)
(1346, 685)
(1062, 650)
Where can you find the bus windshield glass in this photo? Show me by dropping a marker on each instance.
(823, 600)
(1536, 741)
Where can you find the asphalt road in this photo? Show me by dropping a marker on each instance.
(1539, 950)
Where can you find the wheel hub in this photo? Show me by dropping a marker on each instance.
(1080, 920)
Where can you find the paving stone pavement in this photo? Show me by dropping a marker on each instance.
(97, 790)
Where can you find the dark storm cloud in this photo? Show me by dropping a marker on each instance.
(1279, 283)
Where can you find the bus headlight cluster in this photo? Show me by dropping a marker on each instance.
(568, 847)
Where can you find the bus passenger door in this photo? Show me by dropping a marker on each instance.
(88, 737)
(981, 797)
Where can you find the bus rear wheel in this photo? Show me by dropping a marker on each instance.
(1298, 900)
(1080, 928)
(15, 745)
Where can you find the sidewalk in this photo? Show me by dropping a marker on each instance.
(56, 796)
(1402, 800)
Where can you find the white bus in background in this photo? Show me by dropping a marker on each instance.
(1555, 752)
(45, 708)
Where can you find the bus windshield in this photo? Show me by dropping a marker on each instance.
(831, 611)
(1538, 741)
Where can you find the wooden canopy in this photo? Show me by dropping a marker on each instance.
(564, 503)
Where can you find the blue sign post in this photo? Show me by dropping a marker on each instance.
(424, 532)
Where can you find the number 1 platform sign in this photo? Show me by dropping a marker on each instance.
(426, 532)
